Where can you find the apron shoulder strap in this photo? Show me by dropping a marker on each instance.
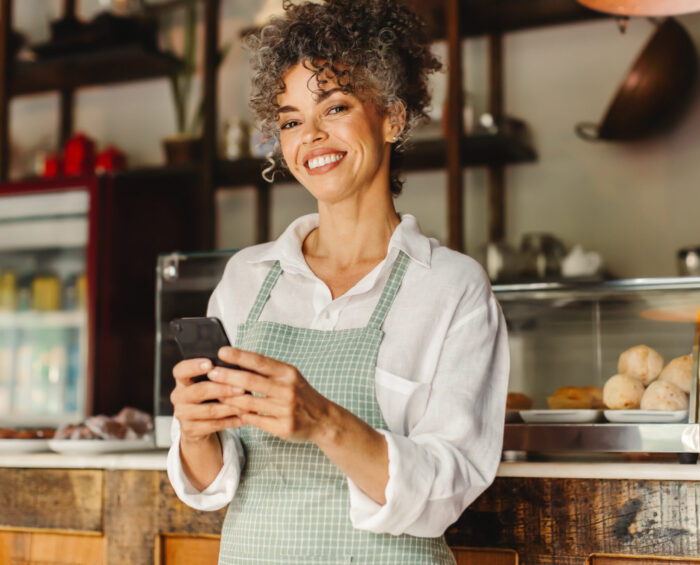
(264, 292)
(389, 292)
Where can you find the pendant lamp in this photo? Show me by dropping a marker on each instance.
(649, 8)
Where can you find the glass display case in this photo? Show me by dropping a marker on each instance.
(566, 343)
(184, 282)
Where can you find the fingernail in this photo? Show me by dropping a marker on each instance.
(237, 390)
(214, 373)
(206, 365)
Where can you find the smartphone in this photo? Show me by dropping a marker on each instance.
(200, 337)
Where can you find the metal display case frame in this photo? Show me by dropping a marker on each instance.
(680, 438)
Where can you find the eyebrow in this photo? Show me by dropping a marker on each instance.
(320, 98)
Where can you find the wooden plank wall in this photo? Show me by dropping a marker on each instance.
(544, 521)
(564, 521)
(67, 548)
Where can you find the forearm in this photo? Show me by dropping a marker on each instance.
(357, 449)
(201, 460)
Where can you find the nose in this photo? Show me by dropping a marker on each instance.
(313, 131)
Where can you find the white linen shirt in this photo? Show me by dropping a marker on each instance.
(441, 375)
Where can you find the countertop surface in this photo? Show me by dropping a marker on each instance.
(155, 460)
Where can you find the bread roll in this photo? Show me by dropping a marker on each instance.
(570, 397)
(622, 392)
(641, 362)
(662, 395)
(678, 372)
(518, 401)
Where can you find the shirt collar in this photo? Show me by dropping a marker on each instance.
(286, 249)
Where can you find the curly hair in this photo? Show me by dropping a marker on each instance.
(377, 50)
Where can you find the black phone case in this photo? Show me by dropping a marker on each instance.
(200, 337)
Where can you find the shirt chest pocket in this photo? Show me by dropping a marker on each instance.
(402, 401)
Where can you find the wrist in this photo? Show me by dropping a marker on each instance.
(330, 430)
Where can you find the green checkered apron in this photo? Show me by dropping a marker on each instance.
(292, 505)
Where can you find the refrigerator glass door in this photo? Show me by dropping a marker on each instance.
(43, 308)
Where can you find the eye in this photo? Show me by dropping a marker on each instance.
(289, 125)
(337, 109)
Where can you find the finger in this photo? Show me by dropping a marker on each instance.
(264, 423)
(258, 404)
(245, 380)
(251, 361)
(205, 390)
(187, 369)
(208, 411)
(202, 428)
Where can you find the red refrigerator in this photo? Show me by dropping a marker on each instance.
(77, 290)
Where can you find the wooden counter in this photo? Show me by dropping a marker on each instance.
(120, 509)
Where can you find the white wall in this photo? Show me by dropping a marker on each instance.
(635, 203)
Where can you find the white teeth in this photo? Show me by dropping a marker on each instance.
(324, 160)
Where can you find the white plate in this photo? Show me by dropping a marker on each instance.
(646, 416)
(560, 416)
(512, 416)
(11, 445)
(90, 446)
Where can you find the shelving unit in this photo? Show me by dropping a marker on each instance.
(66, 73)
(453, 20)
(51, 319)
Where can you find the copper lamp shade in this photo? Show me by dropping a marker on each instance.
(643, 7)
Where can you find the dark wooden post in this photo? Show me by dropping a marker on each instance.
(67, 98)
(262, 225)
(5, 66)
(455, 200)
(496, 172)
(206, 219)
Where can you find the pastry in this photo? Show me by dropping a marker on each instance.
(678, 372)
(622, 392)
(662, 395)
(518, 401)
(641, 362)
(569, 397)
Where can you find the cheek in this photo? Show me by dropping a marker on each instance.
(287, 148)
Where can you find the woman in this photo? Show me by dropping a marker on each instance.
(377, 359)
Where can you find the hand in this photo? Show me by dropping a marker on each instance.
(197, 420)
(290, 407)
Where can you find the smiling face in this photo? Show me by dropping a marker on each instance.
(335, 144)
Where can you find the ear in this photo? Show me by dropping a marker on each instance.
(395, 122)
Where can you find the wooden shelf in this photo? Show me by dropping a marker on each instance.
(477, 150)
(481, 17)
(104, 66)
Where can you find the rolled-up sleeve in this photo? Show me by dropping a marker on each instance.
(222, 489)
(450, 456)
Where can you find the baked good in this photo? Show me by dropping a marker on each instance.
(622, 392)
(662, 395)
(596, 395)
(678, 372)
(641, 362)
(570, 397)
(518, 401)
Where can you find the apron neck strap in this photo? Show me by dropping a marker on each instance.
(389, 293)
(381, 310)
(264, 292)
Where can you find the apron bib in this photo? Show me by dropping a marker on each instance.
(292, 504)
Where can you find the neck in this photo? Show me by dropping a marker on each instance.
(352, 233)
